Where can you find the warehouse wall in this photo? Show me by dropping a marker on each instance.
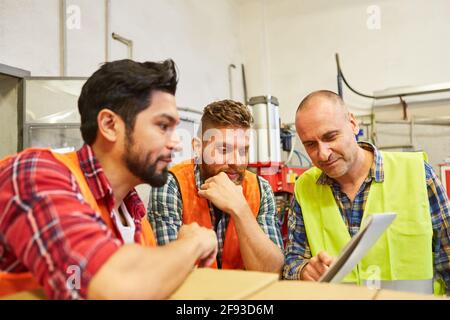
(434, 139)
(296, 53)
(289, 46)
(201, 36)
(8, 111)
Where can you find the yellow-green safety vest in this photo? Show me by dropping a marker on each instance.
(402, 259)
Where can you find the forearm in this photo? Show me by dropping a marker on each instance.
(297, 252)
(258, 252)
(297, 256)
(136, 272)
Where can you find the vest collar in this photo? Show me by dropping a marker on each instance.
(197, 175)
(95, 176)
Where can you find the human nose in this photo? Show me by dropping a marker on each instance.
(175, 142)
(323, 152)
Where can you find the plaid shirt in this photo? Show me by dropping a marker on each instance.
(165, 213)
(298, 252)
(48, 229)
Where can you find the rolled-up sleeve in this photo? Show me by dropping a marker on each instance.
(267, 216)
(297, 251)
(165, 211)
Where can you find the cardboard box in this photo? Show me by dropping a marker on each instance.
(212, 284)
(397, 295)
(37, 294)
(304, 290)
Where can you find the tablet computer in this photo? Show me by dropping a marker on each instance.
(358, 246)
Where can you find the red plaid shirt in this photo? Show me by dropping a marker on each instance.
(47, 228)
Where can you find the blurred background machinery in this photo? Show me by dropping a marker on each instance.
(272, 153)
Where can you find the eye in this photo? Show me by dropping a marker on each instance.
(308, 144)
(331, 137)
(163, 126)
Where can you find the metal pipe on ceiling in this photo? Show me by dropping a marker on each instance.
(394, 93)
(125, 41)
(107, 28)
(62, 39)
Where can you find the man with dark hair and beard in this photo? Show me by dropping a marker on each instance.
(73, 224)
(216, 191)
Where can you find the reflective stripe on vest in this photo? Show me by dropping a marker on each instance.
(404, 251)
(196, 209)
(15, 282)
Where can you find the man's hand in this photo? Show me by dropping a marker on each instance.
(316, 266)
(224, 194)
(139, 277)
(207, 242)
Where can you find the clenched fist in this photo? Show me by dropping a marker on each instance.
(224, 194)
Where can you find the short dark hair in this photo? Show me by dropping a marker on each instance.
(125, 87)
(226, 113)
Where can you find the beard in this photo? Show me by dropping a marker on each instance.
(141, 166)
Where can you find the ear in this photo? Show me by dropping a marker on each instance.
(354, 123)
(110, 125)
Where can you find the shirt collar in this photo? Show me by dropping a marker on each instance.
(376, 171)
(101, 188)
(95, 176)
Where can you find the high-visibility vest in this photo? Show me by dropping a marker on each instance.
(402, 258)
(15, 282)
(196, 209)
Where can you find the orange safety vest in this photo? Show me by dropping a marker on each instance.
(15, 282)
(196, 209)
